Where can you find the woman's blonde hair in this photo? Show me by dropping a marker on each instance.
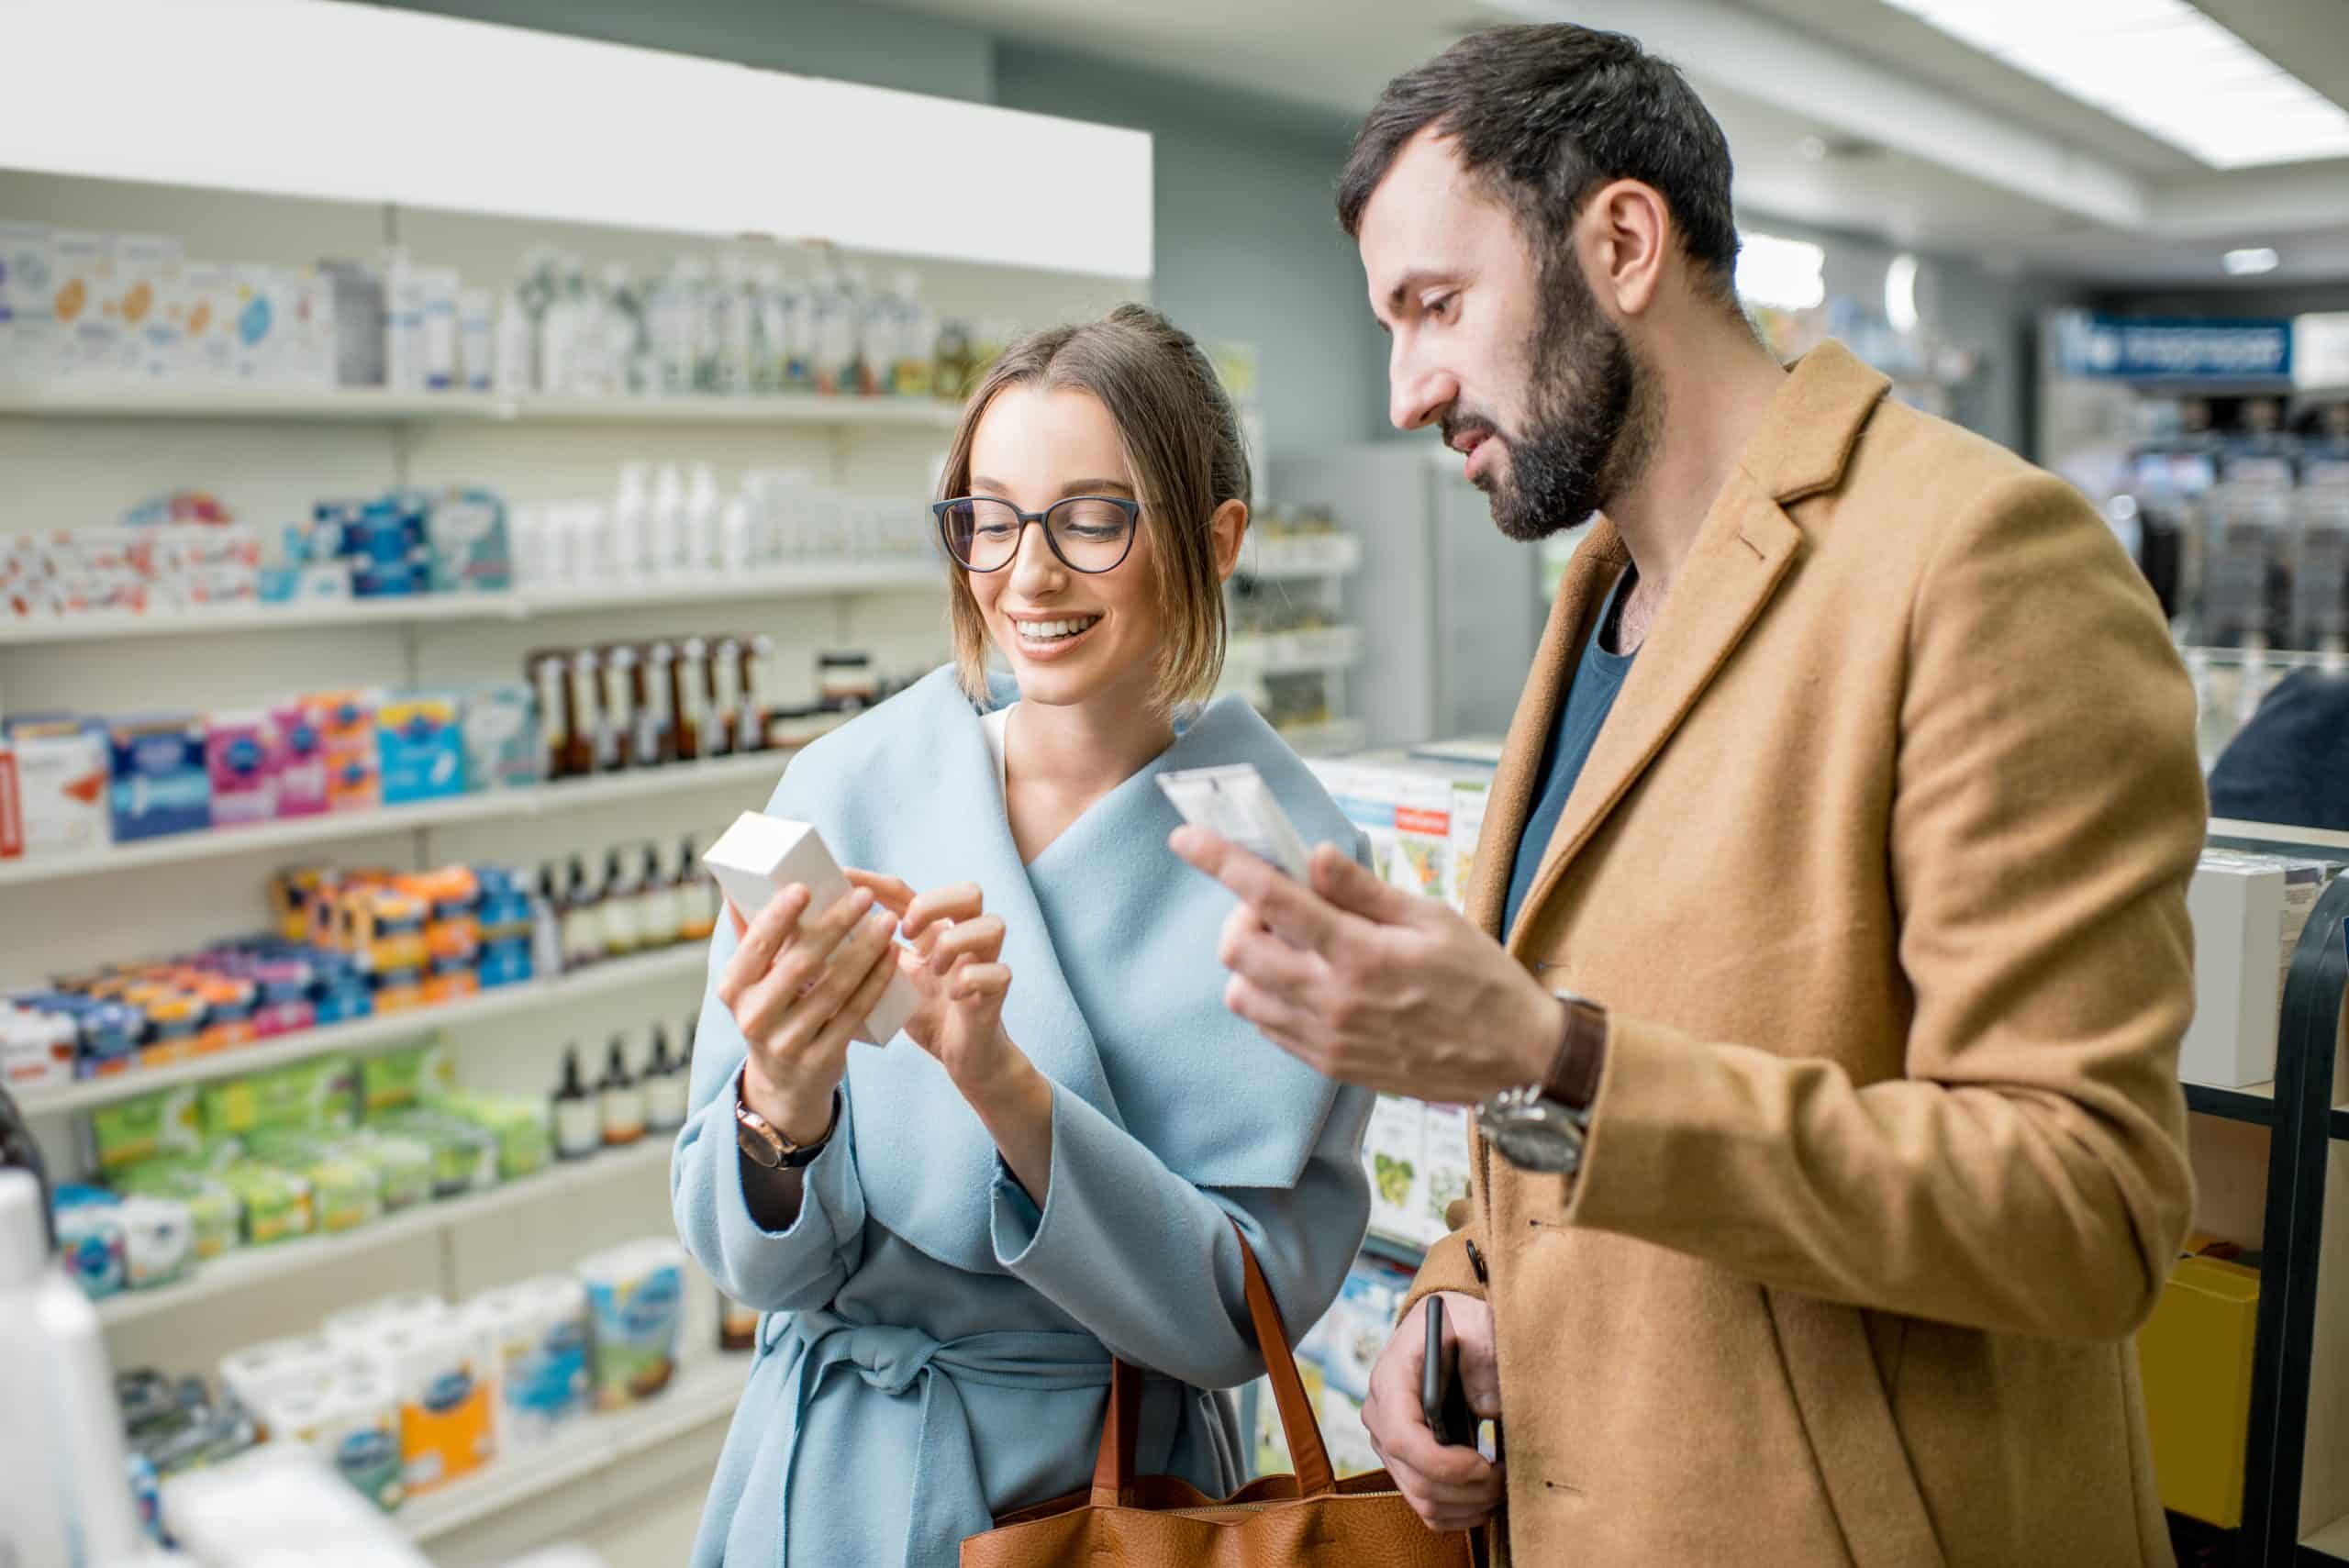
(1182, 442)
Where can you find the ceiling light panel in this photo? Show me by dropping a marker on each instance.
(2160, 65)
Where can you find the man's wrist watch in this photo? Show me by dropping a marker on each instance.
(1541, 1127)
(764, 1144)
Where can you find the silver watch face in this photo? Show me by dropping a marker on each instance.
(1534, 1136)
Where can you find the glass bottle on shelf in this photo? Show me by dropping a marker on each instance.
(578, 1114)
(656, 903)
(582, 924)
(700, 901)
(619, 908)
(621, 1097)
(664, 1086)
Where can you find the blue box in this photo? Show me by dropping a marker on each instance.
(420, 746)
(505, 963)
(160, 783)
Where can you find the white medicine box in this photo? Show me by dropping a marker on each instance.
(2236, 902)
(759, 855)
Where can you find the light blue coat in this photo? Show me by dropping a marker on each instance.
(936, 1350)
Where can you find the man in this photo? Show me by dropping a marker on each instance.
(1830, 1140)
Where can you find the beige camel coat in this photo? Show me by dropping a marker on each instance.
(1879, 865)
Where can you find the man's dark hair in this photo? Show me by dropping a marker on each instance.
(1548, 114)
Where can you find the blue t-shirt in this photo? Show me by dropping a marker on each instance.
(1598, 676)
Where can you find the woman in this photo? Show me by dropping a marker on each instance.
(1046, 1168)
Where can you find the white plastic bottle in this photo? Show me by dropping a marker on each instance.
(632, 521)
(703, 506)
(64, 1479)
(668, 552)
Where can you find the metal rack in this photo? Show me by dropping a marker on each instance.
(2302, 1123)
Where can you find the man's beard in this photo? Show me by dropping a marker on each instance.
(1593, 412)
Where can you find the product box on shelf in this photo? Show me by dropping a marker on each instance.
(27, 310)
(63, 766)
(240, 753)
(1395, 1153)
(347, 731)
(422, 746)
(471, 552)
(501, 737)
(206, 294)
(12, 804)
(298, 757)
(2246, 911)
(82, 279)
(160, 780)
(635, 1298)
(1450, 1164)
(146, 270)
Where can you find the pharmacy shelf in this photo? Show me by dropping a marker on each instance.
(1331, 738)
(703, 1392)
(840, 413)
(2328, 1545)
(371, 1033)
(374, 404)
(2253, 1102)
(760, 767)
(1295, 652)
(244, 1269)
(800, 582)
(1303, 555)
(807, 579)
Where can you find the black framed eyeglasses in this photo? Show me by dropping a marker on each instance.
(1091, 534)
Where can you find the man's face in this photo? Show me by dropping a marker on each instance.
(1527, 376)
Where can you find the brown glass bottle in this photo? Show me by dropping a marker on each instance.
(585, 714)
(689, 697)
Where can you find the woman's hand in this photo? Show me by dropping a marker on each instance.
(955, 961)
(798, 992)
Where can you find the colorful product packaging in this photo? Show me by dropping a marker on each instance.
(64, 768)
(276, 1202)
(420, 748)
(1394, 1152)
(635, 1298)
(468, 539)
(151, 1127)
(160, 780)
(391, 1080)
(501, 734)
(27, 315)
(92, 1242)
(536, 1331)
(215, 1216)
(12, 805)
(299, 758)
(240, 750)
(352, 754)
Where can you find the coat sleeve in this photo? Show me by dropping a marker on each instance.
(2027, 1173)
(793, 1270)
(1150, 1263)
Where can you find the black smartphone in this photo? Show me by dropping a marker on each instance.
(1442, 1399)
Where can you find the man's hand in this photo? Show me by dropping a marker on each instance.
(1370, 984)
(1451, 1489)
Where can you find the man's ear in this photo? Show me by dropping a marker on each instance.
(1624, 236)
(1229, 529)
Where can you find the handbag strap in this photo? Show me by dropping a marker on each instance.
(1113, 1467)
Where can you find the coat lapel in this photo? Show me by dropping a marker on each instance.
(1743, 553)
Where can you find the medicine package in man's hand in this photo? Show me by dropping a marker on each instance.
(1237, 802)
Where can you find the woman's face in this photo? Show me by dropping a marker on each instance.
(1070, 638)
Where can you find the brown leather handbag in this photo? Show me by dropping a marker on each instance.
(1277, 1521)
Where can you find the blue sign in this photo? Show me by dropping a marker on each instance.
(2122, 348)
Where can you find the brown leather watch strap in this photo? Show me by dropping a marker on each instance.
(1582, 1053)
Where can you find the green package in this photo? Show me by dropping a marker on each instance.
(218, 1215)
(403, 1165)
(345, 1192)
(394, 1079)
(307, 1096)
(464, 1156)
(517, 1121)
(151, 1126)
(276, 1202)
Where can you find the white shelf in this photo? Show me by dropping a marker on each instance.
(369, 1033)
(703, 1392)
(134, 400)
(333, 826)
(809, 579)
(803, 582)
(867, 413)
(1303, 555)
(1295, 652)
(244, 1269)
(1331, 739)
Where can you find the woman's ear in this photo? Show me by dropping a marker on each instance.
(1227, 530)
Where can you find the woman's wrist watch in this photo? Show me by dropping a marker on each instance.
(763, 1143)
(1541, 1127)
